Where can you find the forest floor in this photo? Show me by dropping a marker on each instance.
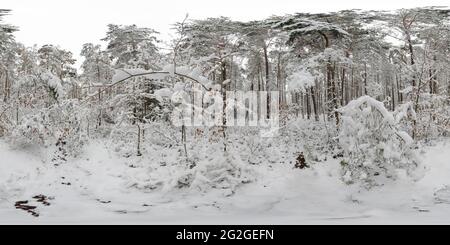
(94, 189)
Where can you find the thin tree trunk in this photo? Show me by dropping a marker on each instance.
(139, 140)
(313, 97)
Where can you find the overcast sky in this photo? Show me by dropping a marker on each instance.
(70, 24)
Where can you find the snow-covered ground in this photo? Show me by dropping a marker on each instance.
(95, 189)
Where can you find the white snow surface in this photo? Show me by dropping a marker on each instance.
(99, 194)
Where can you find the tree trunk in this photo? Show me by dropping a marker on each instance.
(266, 63)
(224, 99)
(313, 97)
(139, 140)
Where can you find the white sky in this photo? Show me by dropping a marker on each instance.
(70, 24)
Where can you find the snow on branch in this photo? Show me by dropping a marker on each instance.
(355, 105)
(123, 75)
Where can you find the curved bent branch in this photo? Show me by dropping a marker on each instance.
(143, 74)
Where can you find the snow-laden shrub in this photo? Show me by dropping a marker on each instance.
(207, 168)
(374, 148)
(60, 125)
(220, 170)
(405, 117)
(33, 129)
(431, 121)
(54, 85)
(433, 117)
(124, 139)
(5, 122)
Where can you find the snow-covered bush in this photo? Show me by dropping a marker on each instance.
(167, 170)
(54, 84)
(5, 122)
(124, 139)
(374, 148)
(225, 171)
(405, 117)
(433, 117)
(60, 125)
(431, 121)
(32, 129)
